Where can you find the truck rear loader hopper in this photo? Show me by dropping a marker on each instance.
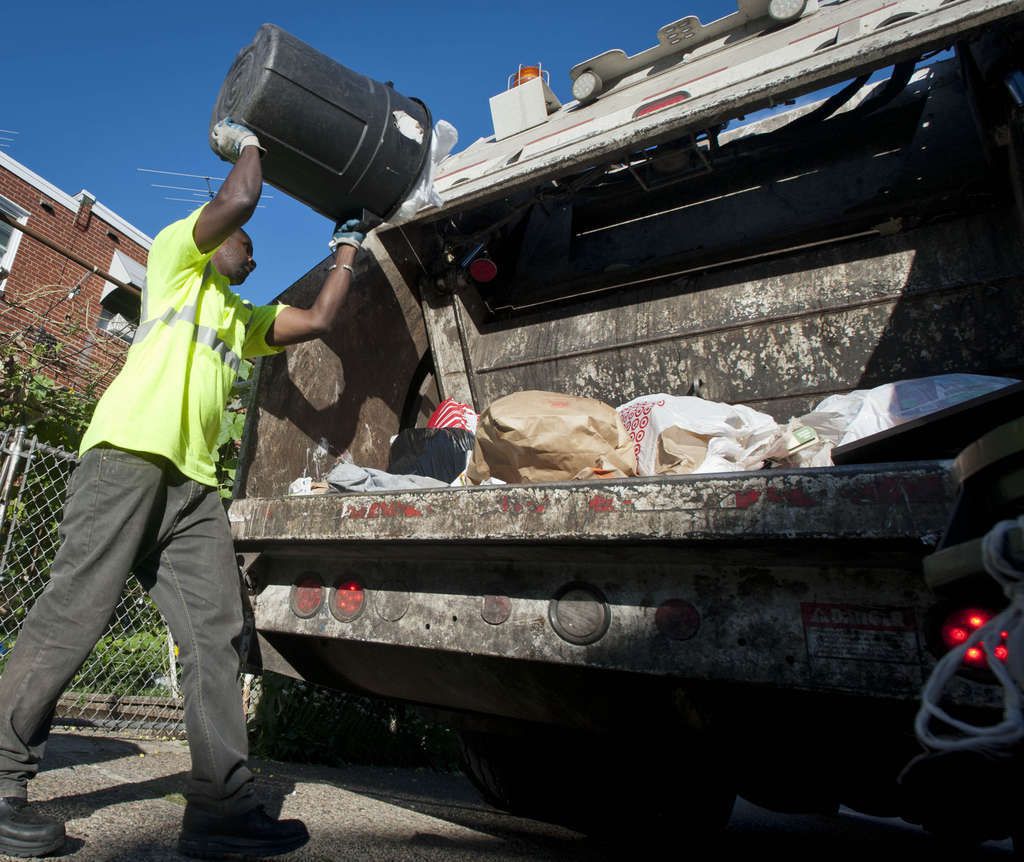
(764, 632)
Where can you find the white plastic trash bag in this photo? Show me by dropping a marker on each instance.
(684, 434)
(841, 419)
(865, 412)
(442, 140)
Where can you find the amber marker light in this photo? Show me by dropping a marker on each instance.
(525, 73)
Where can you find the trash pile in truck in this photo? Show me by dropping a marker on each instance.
(533, 437)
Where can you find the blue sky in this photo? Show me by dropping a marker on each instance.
(94, 95)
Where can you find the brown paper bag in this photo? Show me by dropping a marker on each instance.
(547, 437)
(680, 451)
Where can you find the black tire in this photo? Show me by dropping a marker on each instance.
(963, 819)
(594, 784)
(487, 764)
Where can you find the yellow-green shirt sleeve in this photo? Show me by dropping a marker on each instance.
(173, 259)
(262, 318)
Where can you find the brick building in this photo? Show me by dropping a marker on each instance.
(76, 322)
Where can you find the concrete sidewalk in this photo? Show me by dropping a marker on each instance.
(122, 801)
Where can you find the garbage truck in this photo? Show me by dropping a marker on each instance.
(797, 200)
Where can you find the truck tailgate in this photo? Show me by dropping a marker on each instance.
(804, 579)
(877, 501)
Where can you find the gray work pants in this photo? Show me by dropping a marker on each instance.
(136, 513)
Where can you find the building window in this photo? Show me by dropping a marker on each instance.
(114, 324)
(9, 237)
(119, 314)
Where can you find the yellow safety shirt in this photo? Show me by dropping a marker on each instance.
(170, 396)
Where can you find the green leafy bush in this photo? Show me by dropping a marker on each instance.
(232, 423)
(120, 664)
(126, 664)
(299, 722)
(55, 414)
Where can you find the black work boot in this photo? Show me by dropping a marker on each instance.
(251, 835)
(24, 832)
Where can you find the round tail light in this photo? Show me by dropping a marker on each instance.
(483, 270)
(960, 625)
(347, 601)
(307, 596)
(677, 619)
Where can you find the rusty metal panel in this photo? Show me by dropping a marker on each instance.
(756, 619)
(779, 335)
(875, 501)
(749, 197)
(845, 616)
(446, 346)
(346, 391)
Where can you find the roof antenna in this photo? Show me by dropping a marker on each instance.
(199, 196)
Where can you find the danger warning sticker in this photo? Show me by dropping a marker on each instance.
(857, 632)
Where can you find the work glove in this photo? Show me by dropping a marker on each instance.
(351, 232)
(227, 140)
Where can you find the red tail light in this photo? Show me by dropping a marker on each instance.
(347, 601)
(483, 270)
(307, 596)
(960, 625)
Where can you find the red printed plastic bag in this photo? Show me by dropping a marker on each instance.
(453, 414)
(684, 434)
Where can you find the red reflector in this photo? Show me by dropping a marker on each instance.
(660, 104)
(347, 601)
(1001, 653)
(958, 635)
(307, 596)
(677, 619)
(496, 609)
(483, 270)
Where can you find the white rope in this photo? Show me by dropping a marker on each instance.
(1009, 673)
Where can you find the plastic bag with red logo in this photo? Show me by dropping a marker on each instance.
(453, 414)
(675, 434)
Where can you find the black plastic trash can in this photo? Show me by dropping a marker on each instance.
(336, 140)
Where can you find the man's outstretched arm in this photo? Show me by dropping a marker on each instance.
(236, 199)
(304, 324)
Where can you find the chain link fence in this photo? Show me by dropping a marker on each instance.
(129, 684)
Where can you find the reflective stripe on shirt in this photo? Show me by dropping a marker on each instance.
(204, 335)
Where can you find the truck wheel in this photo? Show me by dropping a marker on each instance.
(964, 819)
(594, 784)
(489, 766)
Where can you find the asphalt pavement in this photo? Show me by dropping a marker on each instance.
(122, 801)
